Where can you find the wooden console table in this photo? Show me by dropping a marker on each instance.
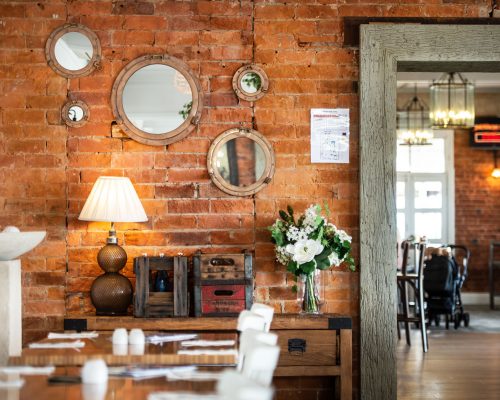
(311, 345)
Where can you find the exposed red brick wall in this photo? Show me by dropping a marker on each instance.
(477, 205)
(47, 170)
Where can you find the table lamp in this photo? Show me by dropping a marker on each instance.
(112, 199)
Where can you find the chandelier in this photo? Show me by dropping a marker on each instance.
(452, 102)
(413, 122)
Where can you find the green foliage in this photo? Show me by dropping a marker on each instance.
(186, 109)
(310, 225)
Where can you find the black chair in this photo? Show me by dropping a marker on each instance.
(414, 281)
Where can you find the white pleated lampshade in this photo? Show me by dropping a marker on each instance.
(113, 199)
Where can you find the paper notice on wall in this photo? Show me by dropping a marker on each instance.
(330, 135)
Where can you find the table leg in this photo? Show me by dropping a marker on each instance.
(345, 364)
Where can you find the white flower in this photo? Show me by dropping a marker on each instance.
(304, 250)
(310, 216)
(344, 236)
(334, 259)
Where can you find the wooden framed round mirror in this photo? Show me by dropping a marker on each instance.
(157, 100)
(241, 161)
(75, 113)
(250, 82)
(73, 50)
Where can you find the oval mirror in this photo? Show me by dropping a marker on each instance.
(73, 50)
(241, 161)
(157, 100)
(75, 113)
(250, 82)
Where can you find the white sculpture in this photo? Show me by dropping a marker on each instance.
(13, 244)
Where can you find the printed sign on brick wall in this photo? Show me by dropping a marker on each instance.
(330, 135)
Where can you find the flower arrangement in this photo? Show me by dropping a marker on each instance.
(310, 243)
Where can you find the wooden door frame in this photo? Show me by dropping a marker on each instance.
(385, 49)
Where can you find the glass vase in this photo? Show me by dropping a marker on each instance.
(310, 292)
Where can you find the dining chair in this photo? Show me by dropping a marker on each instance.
(265, 312)
(250, 338)
(233, 385)
(415, 281)
(250, 320)
(260, 363)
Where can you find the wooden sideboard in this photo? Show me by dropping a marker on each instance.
(311, 345)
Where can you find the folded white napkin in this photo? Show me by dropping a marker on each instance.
(80, 335)
(148, 373)
(77, 344)
(158, 339)
(18, 383)
(193, 376)
(28, 370)
(209, 352)
(181, 396)
(207, 343)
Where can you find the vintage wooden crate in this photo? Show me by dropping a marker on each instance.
(149, 302)
(223, 284)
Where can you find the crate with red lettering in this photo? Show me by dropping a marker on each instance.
(223, 284)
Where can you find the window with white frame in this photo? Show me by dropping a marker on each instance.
(425, 189)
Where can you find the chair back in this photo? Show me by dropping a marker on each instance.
(232, 385)
(265, 312)
(420, 252)
(260, 363)
(251, 338)
(250, 320)
(406, 253)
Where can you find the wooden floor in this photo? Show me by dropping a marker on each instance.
(459, 365)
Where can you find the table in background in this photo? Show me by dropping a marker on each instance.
(102, 347)
(311, 345)
(38, 388)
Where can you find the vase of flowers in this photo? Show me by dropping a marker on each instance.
(306, 246)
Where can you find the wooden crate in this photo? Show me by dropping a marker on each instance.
(150, 304)
(223, 284)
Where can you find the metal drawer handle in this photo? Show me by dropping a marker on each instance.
(222, 261)
(222, 292)
(297, 345)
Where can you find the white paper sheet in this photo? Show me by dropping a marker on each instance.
(80, 335)
(28, 370)
(209, 352)
(158, 339)
(148, 373)
(77, 344)
(330, 135)
(208, 343)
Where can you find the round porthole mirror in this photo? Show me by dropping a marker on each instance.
(75, 113)
(157, 100)
(73, 50)
(241, 162)
(250, 82)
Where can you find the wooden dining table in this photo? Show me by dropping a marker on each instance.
(154, 354)
(39, 388)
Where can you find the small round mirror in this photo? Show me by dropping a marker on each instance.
(241, 162)
(73, 50)
(250, 82)
(75, 113)
(157, 100)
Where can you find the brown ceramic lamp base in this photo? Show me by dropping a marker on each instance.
(111, 293)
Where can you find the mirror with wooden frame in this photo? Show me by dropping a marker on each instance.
(157, 100)
(241, 162)
(75, 113)
(73, 50)
(250, 82)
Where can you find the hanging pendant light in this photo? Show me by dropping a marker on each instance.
(413, 122)
(452, 102)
